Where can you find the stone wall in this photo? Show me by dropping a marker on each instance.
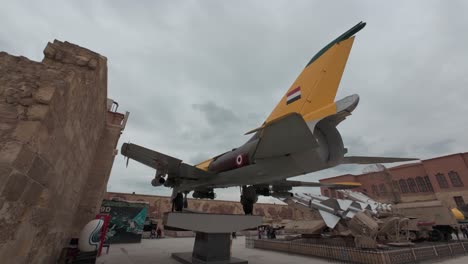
(98, 176)
(52, 120)
(158, 205)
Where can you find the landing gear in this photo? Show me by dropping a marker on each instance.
(185, 200)
(178, 203)
(247, 206)
(413, 236)
(248, 198)
(436, 235)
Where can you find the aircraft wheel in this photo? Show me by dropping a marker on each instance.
(249, 193)
(248, 207)
(178, 202)
(436, 235)
(248, 199)
(413, 236)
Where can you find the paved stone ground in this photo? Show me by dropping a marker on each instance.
(159, 251)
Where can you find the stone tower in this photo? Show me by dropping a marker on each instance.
(58, 140)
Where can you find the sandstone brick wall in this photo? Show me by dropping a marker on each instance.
(52, 120)
(98, 176)
(161, 204)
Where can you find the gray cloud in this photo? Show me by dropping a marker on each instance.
(217, 116)
(197, 75)
(443, 146)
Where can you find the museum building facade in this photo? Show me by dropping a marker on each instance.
(442, 178)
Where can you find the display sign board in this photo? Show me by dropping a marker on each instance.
(127, 220)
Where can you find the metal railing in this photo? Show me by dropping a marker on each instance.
(353, 255)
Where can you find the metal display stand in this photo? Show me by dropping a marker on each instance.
(213, 235)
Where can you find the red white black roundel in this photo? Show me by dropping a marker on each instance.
(239, 160)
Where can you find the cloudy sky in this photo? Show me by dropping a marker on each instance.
(196, 75)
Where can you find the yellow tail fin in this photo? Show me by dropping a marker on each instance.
(313, 93)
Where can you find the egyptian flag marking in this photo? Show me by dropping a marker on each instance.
(293, 95)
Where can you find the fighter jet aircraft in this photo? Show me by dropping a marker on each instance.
(298, 137)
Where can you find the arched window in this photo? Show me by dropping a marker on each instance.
(428, 183)
(382, 188)
(442, 180)
(455, 179)
(326, 193)
(396, 187)
(412, 185)
(403, 186)
(421, 184)
(374, 190)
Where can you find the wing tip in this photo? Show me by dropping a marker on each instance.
(349, 33)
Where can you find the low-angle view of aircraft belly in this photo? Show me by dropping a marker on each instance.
(300, 136)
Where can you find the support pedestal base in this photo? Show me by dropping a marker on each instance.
(187, 258)
(213, 235)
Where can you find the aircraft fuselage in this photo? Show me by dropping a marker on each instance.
(241, 167)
